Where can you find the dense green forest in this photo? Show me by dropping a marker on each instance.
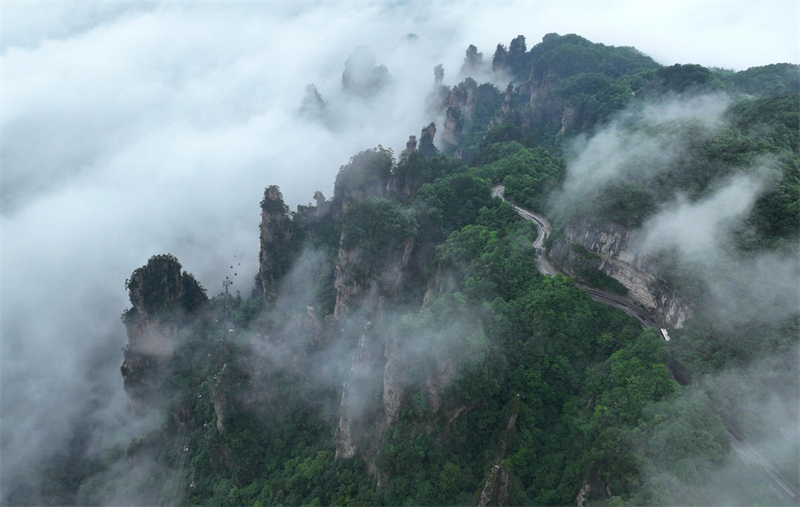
(414, 284)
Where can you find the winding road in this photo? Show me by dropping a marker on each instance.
(749, 456)
(545, 268)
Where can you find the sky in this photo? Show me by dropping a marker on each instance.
(133, 129)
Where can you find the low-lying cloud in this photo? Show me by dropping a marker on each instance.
(640, 144)
(142, 128)
(742, 287)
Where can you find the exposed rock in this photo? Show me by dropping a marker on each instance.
(426, 146)
(569, 118)
(313, 106)
(357, 390)
(162, 295)
(460, 113)
(508, 112)
(411, 147)
(438, 75)
(633, 269)
(361, 76)
(345, 443)
(365, 175)
(277, 252)
(500, 59)
(473, 62)
(516, 55)
(311, 325)
(409, 175)
(436, 383)
(394, 383)
(495, 489)
(583, 495)
(219, 399)
(353, 289)
(488, 487)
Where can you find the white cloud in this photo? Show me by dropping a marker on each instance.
(134, 129)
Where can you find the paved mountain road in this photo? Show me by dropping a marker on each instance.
(749, 456)
(545, 268)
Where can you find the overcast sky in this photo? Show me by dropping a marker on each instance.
(131, 129)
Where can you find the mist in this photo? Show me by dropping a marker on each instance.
(135, 129)
(640, 143)
(747, 299)
(741, 287)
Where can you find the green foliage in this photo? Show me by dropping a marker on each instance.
(160, 287)
(542, 380)
(488, 102)
(769, 80)
(376, 227)
(596, 96)
(583, 252)
(597, 278)
(365, 175)
(571, 54)
(529, 174)
(453, 201)
(690, 77)
(272, 202)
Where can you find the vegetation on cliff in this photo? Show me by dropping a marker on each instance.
(406, 320)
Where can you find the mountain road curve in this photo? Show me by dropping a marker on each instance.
(545, 268)
(749, 456)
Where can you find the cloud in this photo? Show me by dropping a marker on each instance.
(740, 287)
(135, 129)
(639, 144)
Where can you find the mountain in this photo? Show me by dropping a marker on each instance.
(402, 347)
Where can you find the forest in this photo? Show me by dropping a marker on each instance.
(401, 348)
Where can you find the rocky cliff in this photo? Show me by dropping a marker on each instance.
(609, 249)
(357, 415)
(277, 248)
(460, 112)
(162, 295)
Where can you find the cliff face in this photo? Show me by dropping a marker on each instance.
(375, 366)
(276, 252)
(460, 111)
(366, 175)
(162, 295)
(363, 382)
(353, 288)
(552, 90)
(610, 244)
(380, 371)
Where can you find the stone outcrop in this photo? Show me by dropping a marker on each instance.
(162, 295)
(583, 494)
(409, 175)
(473, 62)
(276, 253)
(361, 76)
(352, 290)
(495, 489)
(437, 382)
(394, 383)
(426, 146)
(508, 110)
(313, 106)
(460, 112)
(363, 380)
(411, 147)
(613, 254)
(219, 399)
(365, 175)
